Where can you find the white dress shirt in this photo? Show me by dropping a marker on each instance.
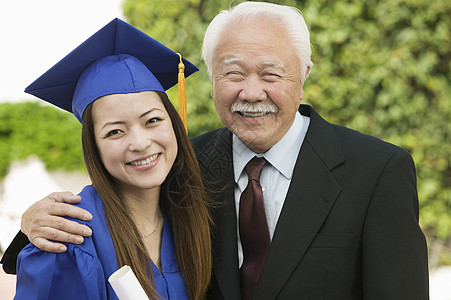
(275, 177)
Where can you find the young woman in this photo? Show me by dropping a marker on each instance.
(149, 208)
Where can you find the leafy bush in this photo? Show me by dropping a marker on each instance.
(30, 128)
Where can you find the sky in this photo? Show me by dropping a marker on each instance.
(36, 34)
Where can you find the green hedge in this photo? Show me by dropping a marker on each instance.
(30, 128)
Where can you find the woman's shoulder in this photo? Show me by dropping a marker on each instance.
(99, 244)
(89, 192)
(91, 201)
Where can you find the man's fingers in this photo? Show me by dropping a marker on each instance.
(44, 221)
(70, 228)
(66, 197)
(60, 236)
(68, 210)
(48, 246)
(44, 240)
(59, 229)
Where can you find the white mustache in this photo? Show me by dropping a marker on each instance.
(254, 107)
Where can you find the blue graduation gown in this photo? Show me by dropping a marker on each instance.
(82, 271)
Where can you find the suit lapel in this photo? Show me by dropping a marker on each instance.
(216, 163)
(310, 197)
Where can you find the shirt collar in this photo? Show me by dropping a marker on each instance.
(282, 155)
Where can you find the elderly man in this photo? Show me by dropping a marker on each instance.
(308, 209)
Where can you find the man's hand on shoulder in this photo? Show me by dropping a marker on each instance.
(44, 221)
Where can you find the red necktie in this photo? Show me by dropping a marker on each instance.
(254, 231)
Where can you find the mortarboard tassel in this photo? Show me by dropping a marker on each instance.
(182, 93)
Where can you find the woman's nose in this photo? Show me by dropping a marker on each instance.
(139, 141)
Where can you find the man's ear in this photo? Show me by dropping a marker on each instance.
(306, 73)
(302, 83)
(212, 87)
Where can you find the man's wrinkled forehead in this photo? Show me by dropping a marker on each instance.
(231, 60)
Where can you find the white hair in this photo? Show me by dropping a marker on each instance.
(289, 16)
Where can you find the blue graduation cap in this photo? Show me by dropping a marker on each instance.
(117, 59)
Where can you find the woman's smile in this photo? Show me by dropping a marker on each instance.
(145, 161)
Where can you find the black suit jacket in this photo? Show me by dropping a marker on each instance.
(348, 228)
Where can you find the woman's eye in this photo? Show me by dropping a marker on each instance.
(113, 132)
(154, 120)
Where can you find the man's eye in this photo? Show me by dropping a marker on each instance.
(234, 74)
(271, 77)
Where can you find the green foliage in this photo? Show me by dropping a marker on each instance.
(381, 67)
(29, 128)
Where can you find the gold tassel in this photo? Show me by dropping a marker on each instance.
(182, 93)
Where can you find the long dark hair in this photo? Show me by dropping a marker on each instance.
(182, 198)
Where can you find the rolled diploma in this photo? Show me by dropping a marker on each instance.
(126, 285)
